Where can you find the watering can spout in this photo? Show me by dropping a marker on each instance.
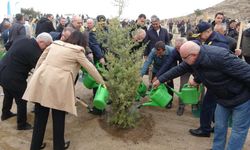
(177, 93)
(150, 104)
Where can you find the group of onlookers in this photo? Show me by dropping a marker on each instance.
(211, 56)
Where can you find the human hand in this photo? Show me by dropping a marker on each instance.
(156, 83)
(91, 57)
(102, 61)
(154, 79)
(237, 52)
(191, 82)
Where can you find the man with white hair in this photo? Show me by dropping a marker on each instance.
(228, 77)
(14, 69)
(232, 43)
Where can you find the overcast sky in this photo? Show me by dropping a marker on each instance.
(161, 8)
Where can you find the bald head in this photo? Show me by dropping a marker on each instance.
(76, 22)
(189, 52)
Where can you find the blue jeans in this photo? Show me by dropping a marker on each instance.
(241, 122)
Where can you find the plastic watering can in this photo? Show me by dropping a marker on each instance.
(99, 66)
(101, 97)
(142, 89)
(159, 97)
(83, 70)
(2, 53)
(189, 94)
(89, 82)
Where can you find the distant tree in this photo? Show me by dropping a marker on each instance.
(198, 12)
(120, 4)
(30, 12)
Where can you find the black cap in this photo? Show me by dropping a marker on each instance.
(100, 18)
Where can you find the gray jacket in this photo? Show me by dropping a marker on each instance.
(17, 31)
(246, 43)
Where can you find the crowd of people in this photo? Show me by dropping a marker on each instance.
(216, 53)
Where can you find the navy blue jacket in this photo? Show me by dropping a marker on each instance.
(95, 46)
(217, 39)
(152, 37)
(226, 75)
(174, 57)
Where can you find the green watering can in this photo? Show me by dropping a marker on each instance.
(89, 82)
(142, 89)
(159, 97)
(99, 66)
(101, 97)
(2, 53)
(189, 94)
(83, 70)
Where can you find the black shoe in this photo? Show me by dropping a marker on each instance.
(199, 133)
(96, 111)
(66, 145)
(7, 116)
(27, 126)
(180, 111)
(211, 130)
(169, 106)
(43, 146)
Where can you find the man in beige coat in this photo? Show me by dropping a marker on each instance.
(52, 86)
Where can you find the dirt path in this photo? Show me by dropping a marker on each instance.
(165, 131)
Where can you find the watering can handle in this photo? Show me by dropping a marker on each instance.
(186, 85)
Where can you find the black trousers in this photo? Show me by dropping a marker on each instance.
(40, 122)
(7, 102)
(21, 105)
(247, 59)
(207, 111)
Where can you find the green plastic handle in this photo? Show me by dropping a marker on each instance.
(186, 85)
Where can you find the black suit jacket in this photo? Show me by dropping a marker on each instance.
(16, 64)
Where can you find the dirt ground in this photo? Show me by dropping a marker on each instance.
(160, 129)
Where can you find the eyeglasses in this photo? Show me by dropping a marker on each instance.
(186, 56)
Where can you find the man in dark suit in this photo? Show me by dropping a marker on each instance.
(45, 24)
(154, 34)
(14, 69)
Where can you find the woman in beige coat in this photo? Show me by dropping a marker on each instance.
(52, 86)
